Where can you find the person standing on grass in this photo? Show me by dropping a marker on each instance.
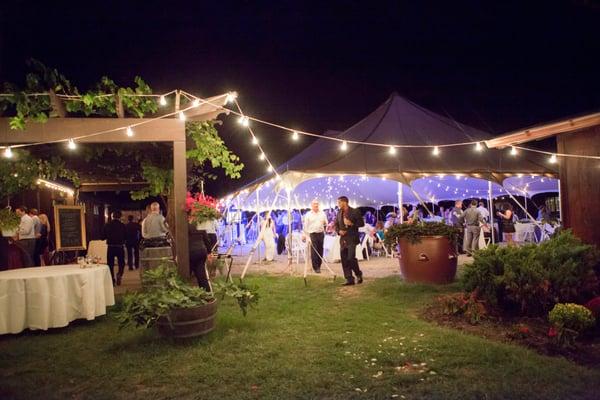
(132, 242)
(473, 220)
(348, 221)
(115, 234)
(314, 228)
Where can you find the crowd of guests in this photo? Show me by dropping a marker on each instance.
(32, 239)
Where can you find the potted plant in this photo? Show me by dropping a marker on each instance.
(9, 222)
(201, 208)
(427, 251)
(177, 308)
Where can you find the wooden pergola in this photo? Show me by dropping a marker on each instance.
(168, 129)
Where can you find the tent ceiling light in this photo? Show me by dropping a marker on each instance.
(436, 151)
(344, 146)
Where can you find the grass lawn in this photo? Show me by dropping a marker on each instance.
(321, 341)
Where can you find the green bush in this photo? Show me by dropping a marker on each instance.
(570, 320)
(413, 232)
(531, 279)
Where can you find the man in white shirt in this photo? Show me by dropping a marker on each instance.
(314, 226)
(26, 234)
(485, 214)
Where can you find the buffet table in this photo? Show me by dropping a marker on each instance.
(52, 297)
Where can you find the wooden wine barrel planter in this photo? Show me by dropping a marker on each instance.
(152, 257)
(189, 322)
(432, 260)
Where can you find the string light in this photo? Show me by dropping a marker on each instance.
(478, 146)
(392, 150)
(295, 135)
(270, 168)
(181, 116)
(255, 141)
(129, 131)
(262, 156)
(71, 144)
(231, 96)
(553, 159)
(344, 146)
(196, 103)
(513, 151)
(163, 101)
(8, 152)
(243, 120)
(436, 151)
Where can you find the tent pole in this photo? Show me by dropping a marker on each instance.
(400, 201)
(525, 196)
(289, 215)
(258, 221)
(490, 210)
(560, 210)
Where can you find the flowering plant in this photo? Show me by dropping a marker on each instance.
(201, 208)
(569, 321)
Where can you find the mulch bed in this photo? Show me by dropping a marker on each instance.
(511, 330)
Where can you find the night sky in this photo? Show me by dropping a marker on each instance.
(499, 66)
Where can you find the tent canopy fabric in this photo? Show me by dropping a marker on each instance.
(399, 121)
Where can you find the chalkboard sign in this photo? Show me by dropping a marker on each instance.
(70, 228)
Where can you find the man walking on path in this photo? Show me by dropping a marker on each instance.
(347, 222)
(114, 233)
(314, 227)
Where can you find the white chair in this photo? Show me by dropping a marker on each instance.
(298, 247)
(365, 245)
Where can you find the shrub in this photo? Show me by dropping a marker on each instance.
(413, 232)
(594, 306)
(463, 304)
(570, 320)
(532, 278)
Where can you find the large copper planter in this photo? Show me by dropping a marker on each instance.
(432, 260)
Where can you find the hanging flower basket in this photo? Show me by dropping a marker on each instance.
(201, 208)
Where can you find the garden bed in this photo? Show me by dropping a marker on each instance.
(525, 331)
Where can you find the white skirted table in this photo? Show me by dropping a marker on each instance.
(51, 297)
(331, 249)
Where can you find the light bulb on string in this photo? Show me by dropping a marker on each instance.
(436, 151)
(181, 116)
(195, 103)
(8, 152)
(344, 146)
(270, 168)
(129, 131)
(553, 159)
(262, 156)
(255, 140)
(478, 146)
(392, 150)
(163, 101)
(513, 151)
(230, 97)
(71, 144)
(295, 135)
(243, 120)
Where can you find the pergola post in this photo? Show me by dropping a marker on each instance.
(400, 200)
(491, 210)
(179, 194)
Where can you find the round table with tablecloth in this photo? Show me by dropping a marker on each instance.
(52, 297)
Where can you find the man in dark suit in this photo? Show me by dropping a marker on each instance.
(347, 222)
(132, 242)
(115, 234)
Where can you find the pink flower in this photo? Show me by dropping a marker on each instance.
(552, 332)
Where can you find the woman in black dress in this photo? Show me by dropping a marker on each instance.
(508, 227)
(199, 244)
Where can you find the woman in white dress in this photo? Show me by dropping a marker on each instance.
(267, 235)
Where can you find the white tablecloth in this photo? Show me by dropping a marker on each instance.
(99, 249)
(521, 230)
(51, 297)
(331, 249)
